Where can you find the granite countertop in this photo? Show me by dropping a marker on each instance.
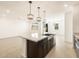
(34, 37)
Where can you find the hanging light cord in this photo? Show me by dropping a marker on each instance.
(38, 11)
(30, 2)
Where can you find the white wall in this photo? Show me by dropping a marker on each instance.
(69, 24)
(12, 27)
(76, 19)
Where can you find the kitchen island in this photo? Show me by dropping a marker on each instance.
(39, 46)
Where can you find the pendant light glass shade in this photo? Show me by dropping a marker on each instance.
(38, 18)
(30, 16)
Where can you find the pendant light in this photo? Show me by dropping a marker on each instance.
(30, 15)
(38, 18)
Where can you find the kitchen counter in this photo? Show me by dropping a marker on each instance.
(34, 38)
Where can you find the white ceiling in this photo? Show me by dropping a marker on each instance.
(19, 9)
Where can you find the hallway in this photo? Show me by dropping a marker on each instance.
(62, 49)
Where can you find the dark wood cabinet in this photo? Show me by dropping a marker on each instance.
(32, 49)
(51, 43)
(42, 48)
(39, 49)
